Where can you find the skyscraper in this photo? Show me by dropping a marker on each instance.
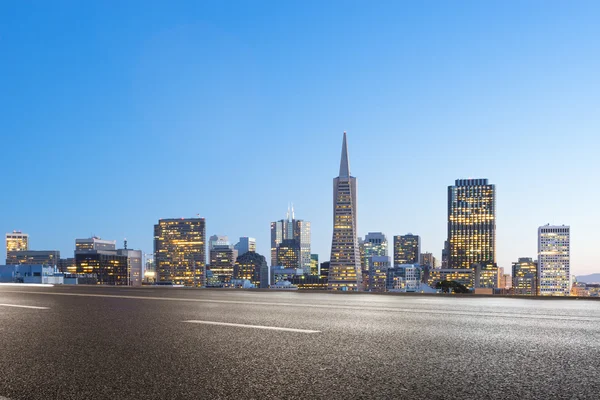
(17, 241)
(180, 251)
(554, 260)
(288, 254)
(374, 245)
(292, 228)
(245, 245)
(345, 271)
(471, 223)
(222, 261)
(407, 249)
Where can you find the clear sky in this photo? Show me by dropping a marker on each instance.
(114, 115)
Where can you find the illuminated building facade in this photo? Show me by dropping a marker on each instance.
(464, 276)
(67, 265)
(375, 244)
(33, 257)
(471, 223)
(288, 254)
(379, 266)
(109, 267)
(222, 261)
(487, 276)
(17, 241)
(180, 251)
(345, 270)
(407, 249)
(525, 277)
(250, 266)
(428, 260)
(288, 229)
(554, 260)
(94, 243)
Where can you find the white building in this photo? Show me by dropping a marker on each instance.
(554, 268)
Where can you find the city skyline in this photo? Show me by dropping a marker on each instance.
(158, 108)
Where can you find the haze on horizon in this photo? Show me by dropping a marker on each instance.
(115, 115)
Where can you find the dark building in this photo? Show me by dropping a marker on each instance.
(180, 251)
(325, 268)
(407, 249)
(309, 282)
(222, 261)
(67, 265)
(109, 267)
(33, 257)
(471, 223)
(250, 265)
(288, 253)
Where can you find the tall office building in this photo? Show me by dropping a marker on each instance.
(344, 271)
(525, 277)
(407, 249)
(222, 261)
(245, 245)
(33, 257)
(288, 254)
(471, 223)
(17, 241)
(288, 229)
(180, 251)
(554, 260)
(375, 244)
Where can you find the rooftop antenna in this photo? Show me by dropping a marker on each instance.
(125, 244)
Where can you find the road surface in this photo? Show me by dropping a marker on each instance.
(77, 342)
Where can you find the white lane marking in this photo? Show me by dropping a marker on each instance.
(326, 306)
(273, 328)
(20, 306)
(26, 285)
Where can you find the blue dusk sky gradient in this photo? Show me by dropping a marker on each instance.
(114, 114)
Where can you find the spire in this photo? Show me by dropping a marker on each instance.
(293, 216)
(344, 163)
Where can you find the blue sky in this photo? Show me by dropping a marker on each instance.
(114, 115)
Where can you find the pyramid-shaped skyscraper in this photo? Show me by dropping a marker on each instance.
(344, 271)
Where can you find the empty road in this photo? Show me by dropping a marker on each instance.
(77, 342)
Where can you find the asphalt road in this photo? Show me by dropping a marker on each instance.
(125, 343)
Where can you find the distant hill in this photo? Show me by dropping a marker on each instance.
(593, 278)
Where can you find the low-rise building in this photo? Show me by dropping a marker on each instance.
(404, 278)
(25, 273)
(464, 276)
